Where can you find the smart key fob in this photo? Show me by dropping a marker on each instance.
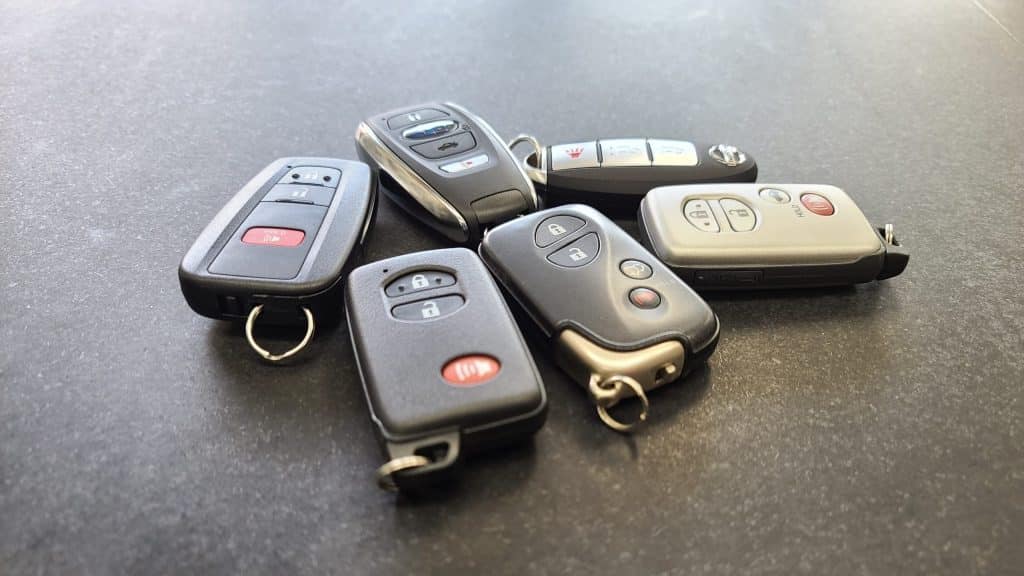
(620, 321)
(614, 174)
(744, 236)
(444, 367)
(447, 167)
(280, 247)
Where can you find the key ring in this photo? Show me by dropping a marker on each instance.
(889, 235)
(607, 396)
(536, 173)
(251, 321)
(386, 473)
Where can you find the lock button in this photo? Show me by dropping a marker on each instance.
(579, 253)
(553, 229)
(417, 281)
(428, 309)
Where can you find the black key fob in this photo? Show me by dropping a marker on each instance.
(619, 320)
(280, 247)
(444, 367)
(447, 167)
(614, 174)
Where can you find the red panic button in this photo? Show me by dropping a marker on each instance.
(470, 370)
(818, 204)
(273, 236)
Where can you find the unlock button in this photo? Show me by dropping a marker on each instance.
(579, 253)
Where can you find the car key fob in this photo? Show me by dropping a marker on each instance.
(743, 236)
(620, 321)
(444, 367)
(281, 246)
(447, 167)
(613, 175)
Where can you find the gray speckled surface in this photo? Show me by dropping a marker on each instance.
(874, 430)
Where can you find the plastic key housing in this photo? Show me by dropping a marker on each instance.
(447, 167)
(596, 283)
(764, 236)
(444, 367)
(285, 240)
(614, 174)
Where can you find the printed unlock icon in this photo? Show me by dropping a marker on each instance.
(430, 310)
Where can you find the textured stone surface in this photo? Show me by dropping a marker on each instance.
(869, 430)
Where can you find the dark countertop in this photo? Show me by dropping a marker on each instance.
(874, 430)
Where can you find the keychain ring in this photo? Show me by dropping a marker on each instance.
(263, 352)
(611, 422)
(536, 173)
(386, 473)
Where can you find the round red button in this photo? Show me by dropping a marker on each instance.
(818, 204)
(644, 298)
(470, 370)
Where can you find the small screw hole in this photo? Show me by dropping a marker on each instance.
(401, 288)
(295, 175)
(327, 178)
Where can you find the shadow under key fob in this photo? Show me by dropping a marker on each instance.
(445, 370)
(619, 320)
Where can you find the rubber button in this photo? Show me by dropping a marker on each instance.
(644, 298)
(774, 195)
(578, 253)
(624, 152)
(445, 147)
(419, 281)
(428, 309)
(578, 155)
(673, 153)
(274, 237)
(635, 269)
(698, 213)
(300, 194)
(429, 129)
(741, 217)
(312, 175)
(553, 229)
(471, 370)
(817, 203)
(422, 115)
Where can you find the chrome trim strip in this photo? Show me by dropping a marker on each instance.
(532, 193)
(410, 181)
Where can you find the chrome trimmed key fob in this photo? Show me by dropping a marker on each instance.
(620, 321)
(614, 174)
(445, 370)
(447, 167)
(748, 236)
(279, 249)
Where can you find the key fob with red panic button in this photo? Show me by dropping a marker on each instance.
(445, 370)
(620, 321)
(281, 246)
(750, 236)
(447, 167)
(614, 174)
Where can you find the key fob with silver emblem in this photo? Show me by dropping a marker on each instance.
(447, 167)
(445, 370)
(614, 174)
(746, 236)
(280, 247)
(620, 321)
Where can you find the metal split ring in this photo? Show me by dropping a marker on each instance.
(536, 173)
(251, 321)
(386, 473)
(890, 237)
(613, 385)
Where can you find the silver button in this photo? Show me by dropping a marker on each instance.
(774, 195)
(456, 167)
(741, 217)
(673, 153)
(578, 155)
(624, 152)
(728, 155)
(698, 213)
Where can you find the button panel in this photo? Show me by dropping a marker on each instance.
(578, 155)
(462, 165)
(553, 229)
(673, 153)
(644, 298)
(429, 130)
(268, 243)
(445, 147)
(624, 152)
(699, 214)
(817, 203)
(312, 175)
(470, 370)
(636, 269)
(419, 281)
(741, 217)
(300, 194)
(409, 118)
(429, 309)
(578, 253)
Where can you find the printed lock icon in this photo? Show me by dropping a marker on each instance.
(576, 254)
(419, 281)
(430, 310)
(555, 229)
